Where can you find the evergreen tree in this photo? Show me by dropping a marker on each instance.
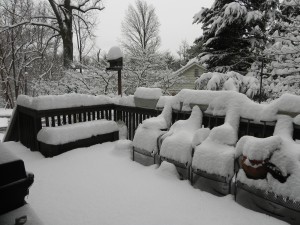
(234, 32)
(284, 51)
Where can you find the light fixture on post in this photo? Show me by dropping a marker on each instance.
(115, 59)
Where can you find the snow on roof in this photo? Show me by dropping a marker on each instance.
(62, 101)
(192, 62)
(114, 53)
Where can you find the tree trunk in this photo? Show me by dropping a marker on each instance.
(68, 49)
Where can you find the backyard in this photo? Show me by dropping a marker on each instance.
(102, 185)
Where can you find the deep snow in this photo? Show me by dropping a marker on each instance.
(101, 185)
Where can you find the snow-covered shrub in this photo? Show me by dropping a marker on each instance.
(230, 81)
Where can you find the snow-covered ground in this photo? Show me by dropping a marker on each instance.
(101, 185)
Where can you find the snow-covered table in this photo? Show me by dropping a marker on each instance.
(56, 140)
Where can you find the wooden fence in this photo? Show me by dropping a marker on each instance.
(27, 122)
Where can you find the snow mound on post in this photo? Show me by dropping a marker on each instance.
(258, 148)
(114, 53)
(77, 131)
(148, 93)
(62, 101)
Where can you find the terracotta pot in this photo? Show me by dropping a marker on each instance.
(256, 171)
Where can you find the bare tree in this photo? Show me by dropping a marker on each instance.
(84, 34)
(183, 51)
(60, 20)
(140, 28)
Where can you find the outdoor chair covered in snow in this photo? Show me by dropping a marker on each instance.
(269, 178)
(176, 144)
(212, 167)
(145, 141)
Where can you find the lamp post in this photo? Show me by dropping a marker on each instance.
(115, 59)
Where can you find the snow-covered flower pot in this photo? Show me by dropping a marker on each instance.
(147, 97)
(254, 169)
(145, 103)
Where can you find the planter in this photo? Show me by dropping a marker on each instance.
(256, 171)
(145, 103)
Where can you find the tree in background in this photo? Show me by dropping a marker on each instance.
(24, 51)
(234, 32)
(183, 52)
(140, 29)
(84, 24)
(284, 52)
(144, 65)
(60, 20)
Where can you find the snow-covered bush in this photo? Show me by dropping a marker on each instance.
(230, 81)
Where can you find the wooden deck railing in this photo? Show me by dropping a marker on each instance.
(27, 122)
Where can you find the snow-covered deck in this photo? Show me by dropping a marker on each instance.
(102, 185)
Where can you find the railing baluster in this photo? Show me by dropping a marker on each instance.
(64, 119)
(47, 121)
(129, 127)
(58, 120)
(52, 121)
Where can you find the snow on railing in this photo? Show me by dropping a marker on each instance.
(36, 112)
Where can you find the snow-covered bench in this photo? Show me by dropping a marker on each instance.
(56, 140)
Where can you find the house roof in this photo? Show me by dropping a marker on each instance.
(191, 63)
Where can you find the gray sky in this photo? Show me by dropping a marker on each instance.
(176, 19)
